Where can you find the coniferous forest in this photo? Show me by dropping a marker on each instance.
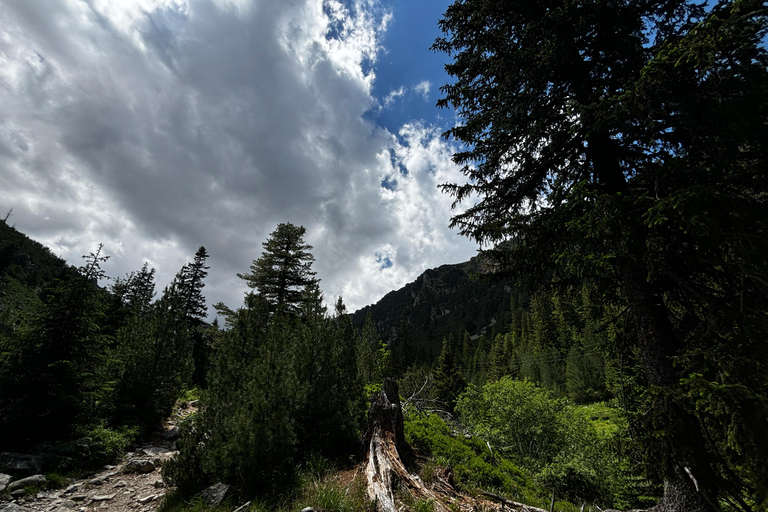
(608, 349)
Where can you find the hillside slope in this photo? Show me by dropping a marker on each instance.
(449, 299)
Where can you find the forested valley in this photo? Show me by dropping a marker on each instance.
(607, 348)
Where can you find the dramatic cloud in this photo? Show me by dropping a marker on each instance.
(155, 127)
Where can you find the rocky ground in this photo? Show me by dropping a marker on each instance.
(132, 485)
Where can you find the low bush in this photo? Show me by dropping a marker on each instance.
(474, 465)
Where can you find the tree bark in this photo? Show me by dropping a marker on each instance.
(659, 344)
(386, 447)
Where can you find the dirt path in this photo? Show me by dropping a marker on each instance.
(133, 485)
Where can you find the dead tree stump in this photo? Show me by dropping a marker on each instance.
(386, 447)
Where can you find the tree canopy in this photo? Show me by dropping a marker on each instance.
(283, 274)
(625, 142)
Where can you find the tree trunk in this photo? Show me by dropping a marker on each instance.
(386, 447)
(659, 344)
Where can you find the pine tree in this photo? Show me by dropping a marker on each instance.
(283, 273)
(136, 291)
(373, 356)
(155, 350)
(189, 303)
(449, 382)
(402, 348)
(51, 378)
(626, 142)
(190, 284)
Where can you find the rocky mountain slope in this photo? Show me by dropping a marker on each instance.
(449, 299)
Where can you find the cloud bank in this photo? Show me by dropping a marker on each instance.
(155, 127)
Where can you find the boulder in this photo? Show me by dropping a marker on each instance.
(215, 494)
(30, 480)
(20, 463)
(4, 481)
(139, 466)
(172, 434)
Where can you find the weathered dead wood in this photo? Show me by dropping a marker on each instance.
(386, 447)
(513, 504)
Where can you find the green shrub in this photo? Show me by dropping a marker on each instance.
(106, 445)
(278, 387)
(523, 420)
(579, 452)
(56, 480)
(474, 466)
(424, 506)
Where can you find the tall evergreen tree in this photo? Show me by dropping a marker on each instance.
(190, 287)
(626, 141)
(449, 382)
(50, 368)
(155, 351)
(402, 348)
(284, 271)
(374, 358)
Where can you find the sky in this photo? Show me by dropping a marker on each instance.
(158, 126)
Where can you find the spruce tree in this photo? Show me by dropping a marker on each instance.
(449, 382)
(626, 142)
(51, 376)
(284, 273)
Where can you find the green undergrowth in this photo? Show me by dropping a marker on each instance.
(317, 483)
(475, 467)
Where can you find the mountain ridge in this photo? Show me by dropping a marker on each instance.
(442, 301)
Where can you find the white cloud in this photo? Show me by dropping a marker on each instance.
(393, 96)
(423, 88)
(159, 126)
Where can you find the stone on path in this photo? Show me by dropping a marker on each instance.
(139, 466)
(104, 497)
(12, 507)
(30, 480)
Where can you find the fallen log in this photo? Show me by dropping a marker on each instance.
(386, 449)
(512, 504)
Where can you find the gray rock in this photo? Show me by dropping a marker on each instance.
(30, 480)
(139, 466)
(215, 494)
(104, 497)
(4, 480)
(73, 487)
(155, 451)
(20, 463)
(12, 507)
(96, 481)
(172, 434)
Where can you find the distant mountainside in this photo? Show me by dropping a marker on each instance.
(27, 269)
(27, 261)
(446, 300)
